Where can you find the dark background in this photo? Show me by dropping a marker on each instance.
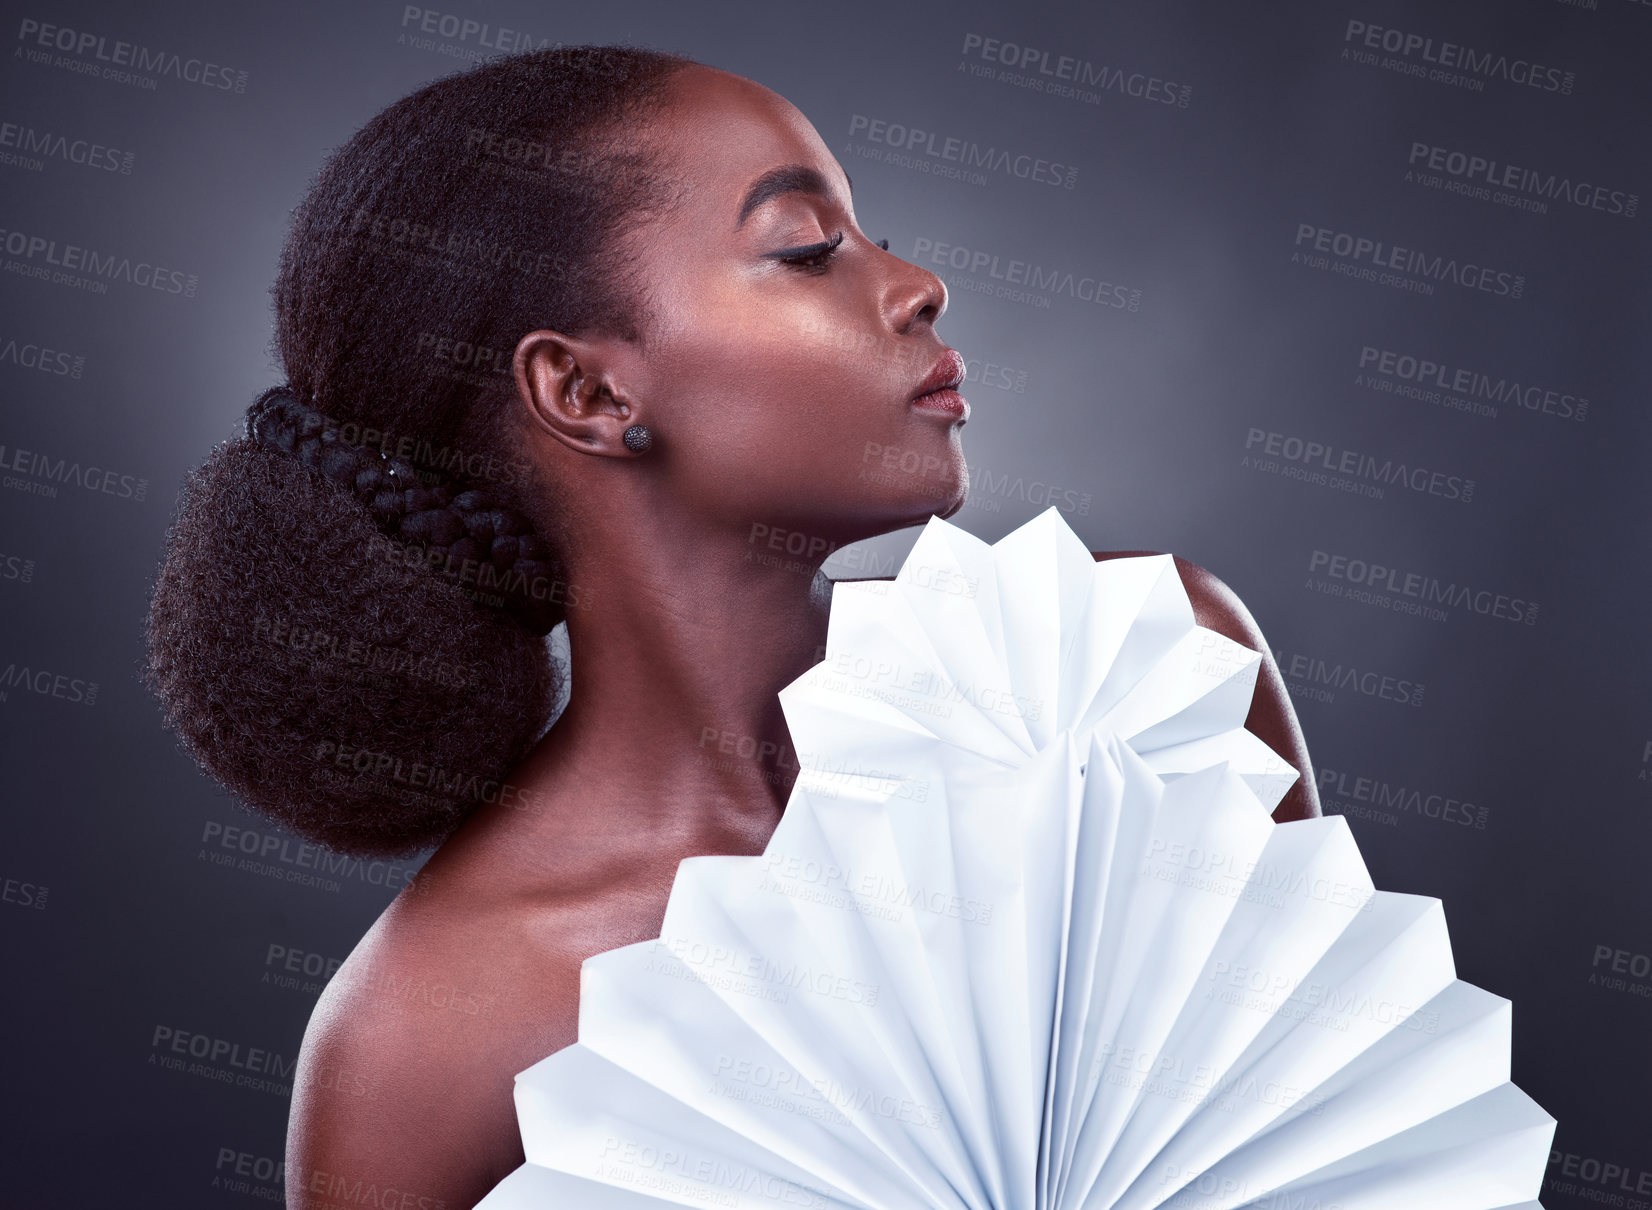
(1497, 763)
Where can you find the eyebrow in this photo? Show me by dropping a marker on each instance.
(792, 178)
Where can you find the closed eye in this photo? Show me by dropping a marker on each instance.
(810, 257)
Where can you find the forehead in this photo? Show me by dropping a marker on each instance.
(720, 132)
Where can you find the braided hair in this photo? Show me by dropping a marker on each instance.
(347, 630)
(464, 533)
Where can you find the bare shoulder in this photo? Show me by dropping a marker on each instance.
(405, 1078)
(1272, 718)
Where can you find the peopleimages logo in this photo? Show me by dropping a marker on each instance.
(1363, 257)
(1491, 180)
(990, 273)
(1403, 373)
(1318, 679)
(43, 682)
(1037, 69)
(1409, 591)
(40, 475)
(966, 153)
(87, 268)
(1326, 464)
(1351, 791)
(83, 52)
(467, 30)
(458, 251)
(16, 567)
(1597, 1180)
(24, 146)
(44, 359)
(259, 851)
(1448, 62)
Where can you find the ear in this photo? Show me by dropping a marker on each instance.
(567, 386)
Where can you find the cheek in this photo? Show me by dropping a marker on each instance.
(781, 370)
(788, 403)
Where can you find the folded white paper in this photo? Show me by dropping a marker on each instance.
(1026, 938)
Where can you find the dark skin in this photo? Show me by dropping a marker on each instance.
(764, 381)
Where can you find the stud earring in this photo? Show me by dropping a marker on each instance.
(638, 438)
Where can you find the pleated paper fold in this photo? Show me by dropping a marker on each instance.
(1027, 938)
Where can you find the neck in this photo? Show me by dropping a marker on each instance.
(673, 734)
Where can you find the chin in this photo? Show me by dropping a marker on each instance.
(948, 494)
(945, 504)
(951, 510)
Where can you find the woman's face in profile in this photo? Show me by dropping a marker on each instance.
(783, 377)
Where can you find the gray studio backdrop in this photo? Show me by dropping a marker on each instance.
(1347, 302)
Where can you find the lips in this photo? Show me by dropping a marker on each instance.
(939, 391)
(948, 374)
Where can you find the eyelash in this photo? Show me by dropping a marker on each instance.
(816, 257)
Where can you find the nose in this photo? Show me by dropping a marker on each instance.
(914, 296)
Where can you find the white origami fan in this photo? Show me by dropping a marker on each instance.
(1027, 938)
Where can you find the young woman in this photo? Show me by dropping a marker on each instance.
(587, 334)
